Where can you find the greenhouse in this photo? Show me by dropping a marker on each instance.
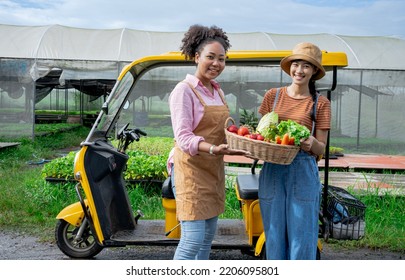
(62, 74)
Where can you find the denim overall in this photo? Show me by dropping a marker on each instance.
(289, 198)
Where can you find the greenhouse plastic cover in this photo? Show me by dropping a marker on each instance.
(99, 50)
(35, 60)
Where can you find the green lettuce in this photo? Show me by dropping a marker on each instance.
(293, 129)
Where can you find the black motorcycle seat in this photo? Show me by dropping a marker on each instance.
(167, 191)
(248, 186)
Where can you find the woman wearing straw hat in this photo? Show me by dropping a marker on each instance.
(290, 194)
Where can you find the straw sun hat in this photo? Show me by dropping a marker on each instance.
(308, 52)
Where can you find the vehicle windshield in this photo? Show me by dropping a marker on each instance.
(114, 104)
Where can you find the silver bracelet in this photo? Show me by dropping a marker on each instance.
(212, 150)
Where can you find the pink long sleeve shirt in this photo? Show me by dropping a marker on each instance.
(186, 112)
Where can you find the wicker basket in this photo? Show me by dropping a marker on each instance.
(270, 152)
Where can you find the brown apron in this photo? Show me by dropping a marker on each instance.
(200, 179)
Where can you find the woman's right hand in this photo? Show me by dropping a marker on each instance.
(224, 149)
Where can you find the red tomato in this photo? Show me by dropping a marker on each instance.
(260, 137)
(253, 136)
(291, 141)
(233, 128)
(243, 130)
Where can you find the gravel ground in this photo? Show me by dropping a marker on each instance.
(14, 246)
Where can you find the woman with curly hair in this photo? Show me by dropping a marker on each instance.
(198, 113)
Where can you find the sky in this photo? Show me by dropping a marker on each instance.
(339, 17)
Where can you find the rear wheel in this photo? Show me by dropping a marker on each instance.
(84, 247)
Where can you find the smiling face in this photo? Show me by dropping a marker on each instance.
(301, 72)
(210, 62)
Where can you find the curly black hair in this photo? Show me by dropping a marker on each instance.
(198, 36)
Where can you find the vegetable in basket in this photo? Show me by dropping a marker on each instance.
(267, 126)
(273, 131)
(266, 121)
(294, 130)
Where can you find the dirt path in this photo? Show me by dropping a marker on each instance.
(15, 246)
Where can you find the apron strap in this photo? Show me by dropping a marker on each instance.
(275, 100)
(220, 93)
(195, 92)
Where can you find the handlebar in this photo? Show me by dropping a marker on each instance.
(135, 134)
(138, 131)
(127, 136)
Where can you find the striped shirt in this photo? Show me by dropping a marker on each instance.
(298, 110)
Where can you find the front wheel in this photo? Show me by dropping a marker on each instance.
(83, 248)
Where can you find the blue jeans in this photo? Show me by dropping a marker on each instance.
(289, 204)
(196, 239)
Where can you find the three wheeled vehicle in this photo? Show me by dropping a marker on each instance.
(103, 216)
